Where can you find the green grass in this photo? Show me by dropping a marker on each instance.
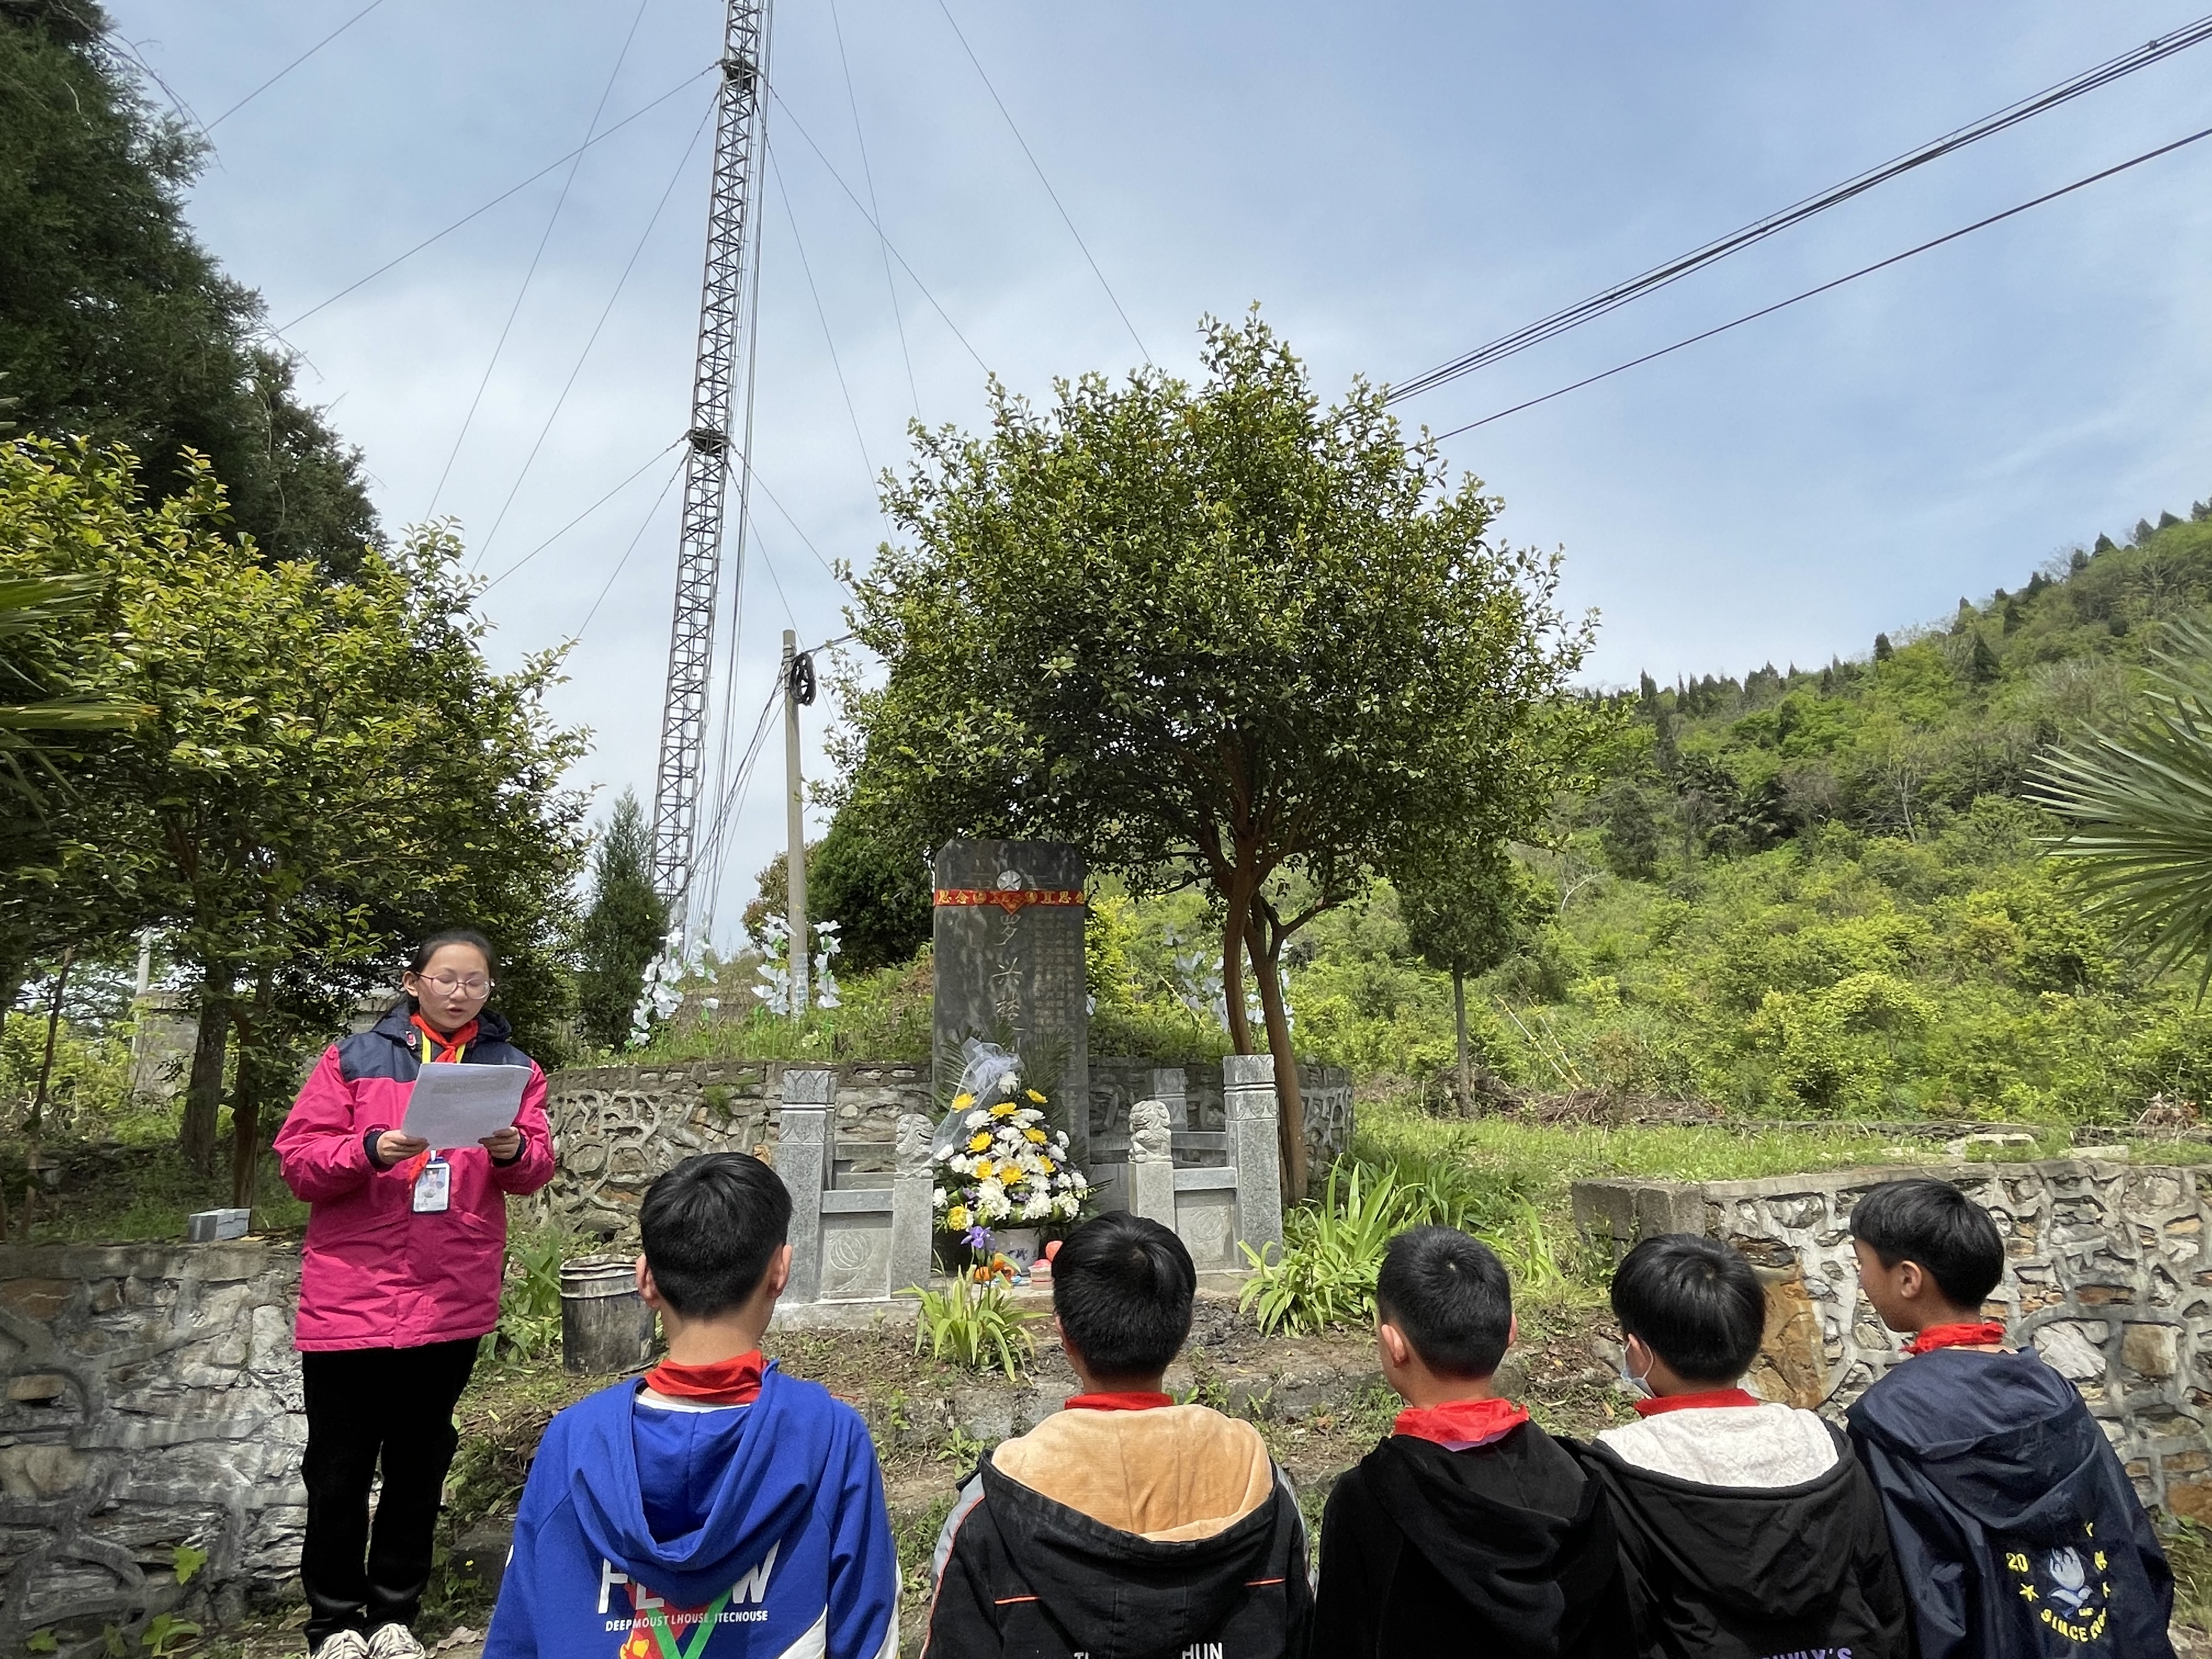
(114, 1193)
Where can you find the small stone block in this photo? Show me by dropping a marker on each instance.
(207, 1226)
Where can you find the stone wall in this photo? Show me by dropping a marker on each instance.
(2109, 1276)
(619, 1126)
(150, 1399)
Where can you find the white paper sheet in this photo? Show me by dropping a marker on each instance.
(458, 1105)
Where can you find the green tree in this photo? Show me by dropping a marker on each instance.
(2137, 804)
(1463, 915)
(622, 928)
(1628, 830)
(878, 894)
(116, 325)
(325, 771)
(1215, 634)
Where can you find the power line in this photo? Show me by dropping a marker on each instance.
(806, 540)
(607, 587)
(605, 311)
(1661, 276)
(294, 63)
(1046, 182)
(1863, 270)
(512, 190)
(581, 517)
(836, 366)
(890, 246)
(544, 237)
(868, 176)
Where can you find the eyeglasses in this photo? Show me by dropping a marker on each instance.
(468, 988)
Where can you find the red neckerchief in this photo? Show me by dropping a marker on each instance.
(1136, 1399)
(1459, 1424)
(722, 1382)
(1681, 1402)
(1956, 1336)
(449, 1048)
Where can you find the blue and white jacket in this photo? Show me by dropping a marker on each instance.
(747, 1532)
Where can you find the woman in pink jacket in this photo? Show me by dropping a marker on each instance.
(399, 1279)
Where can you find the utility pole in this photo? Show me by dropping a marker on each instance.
(732, 247)
(798, 691)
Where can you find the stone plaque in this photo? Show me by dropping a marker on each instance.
(1207, 1223)
(1008, 949)
(856, 1257)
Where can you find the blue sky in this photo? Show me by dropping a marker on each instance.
(1395, 184)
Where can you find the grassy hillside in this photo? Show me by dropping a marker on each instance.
(1809, 892)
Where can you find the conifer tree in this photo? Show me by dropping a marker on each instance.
(622, 931)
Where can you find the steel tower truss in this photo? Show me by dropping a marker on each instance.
(733, 239)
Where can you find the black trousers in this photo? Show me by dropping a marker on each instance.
(364, 1405)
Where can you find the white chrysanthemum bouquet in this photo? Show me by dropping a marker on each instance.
(1005, 1168)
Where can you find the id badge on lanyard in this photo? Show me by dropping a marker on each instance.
(433, 1187)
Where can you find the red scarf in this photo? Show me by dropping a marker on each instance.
(449, 1048)
(1681, 1403)
(1956, 1336)
(1459, 1424)
(722, 1382)
(1136, 1399)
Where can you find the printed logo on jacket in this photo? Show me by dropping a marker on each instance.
(2065, 1588)
(658, 1631)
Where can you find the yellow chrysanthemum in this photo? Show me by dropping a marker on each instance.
(1005, 1109)
(1037, 1135)
(961, 1100)
(1044, 1165)
(957, 1217)
(980, 1141)
(985, 1169)
(1036, 1096)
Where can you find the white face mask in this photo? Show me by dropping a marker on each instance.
(1639, 1386)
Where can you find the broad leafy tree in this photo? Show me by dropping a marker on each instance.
(324, 769)
(116, 325)
(1463, 910)
(877, 893)
(622, 927)
(1216, 634)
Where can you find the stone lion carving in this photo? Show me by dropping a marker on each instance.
(1150, 1139)
(913, 1140)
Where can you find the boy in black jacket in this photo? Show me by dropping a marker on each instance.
(1469, 1530)
(1125, 1526)
(2017, 1532)
(1746, 1529)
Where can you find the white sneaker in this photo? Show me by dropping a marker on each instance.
(392, 1641)
(342, 1644)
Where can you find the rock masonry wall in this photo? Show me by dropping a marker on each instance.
(150, 1400)
(617, 1127)
(2109, 1275)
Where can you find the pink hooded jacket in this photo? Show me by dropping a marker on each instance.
(374, 1274)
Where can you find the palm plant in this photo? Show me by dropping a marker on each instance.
(32, 604)
(2138, 807)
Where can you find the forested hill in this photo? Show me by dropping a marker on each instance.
(1820, 892)
(1898, 740)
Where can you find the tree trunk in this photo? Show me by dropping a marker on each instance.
(1291, 1122)
(1232, 976)
(260, 1074)
(47, 1066)
(204, 1086)
(1459, 1017)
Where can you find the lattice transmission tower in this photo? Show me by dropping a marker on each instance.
(726, 310)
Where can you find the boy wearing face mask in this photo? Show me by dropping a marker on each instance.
(1746, 1529)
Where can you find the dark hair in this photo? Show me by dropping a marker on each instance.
(1123, 1286)
(438, 941)
(1933, 1223)
(1450, 1297)
(711, 1226)
(1696, 1302)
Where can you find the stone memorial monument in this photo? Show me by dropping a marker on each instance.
(1007, 934)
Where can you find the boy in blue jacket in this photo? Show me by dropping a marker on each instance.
(2018, 1534)
(716, 1508)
